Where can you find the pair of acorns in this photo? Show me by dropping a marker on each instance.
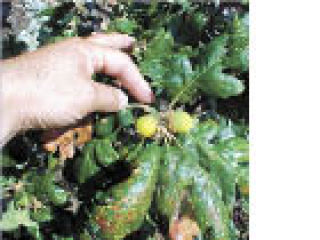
(176, 121)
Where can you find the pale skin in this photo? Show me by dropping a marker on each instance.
(53, 87)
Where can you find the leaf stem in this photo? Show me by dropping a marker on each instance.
(188, 85)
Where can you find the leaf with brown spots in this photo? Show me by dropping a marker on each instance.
(130, 200)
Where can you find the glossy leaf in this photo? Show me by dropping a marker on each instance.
(105, 154)
(135, 150)
(214, 52)
(158, 51)
(43, 186)
(57, 195)
(125, 118)
(85, 165)
(159, 46)
(238, 57)
(219, 84)
(179, 75)
(128, 202)
(104, 127)
(237, 148)
(221, 170)
(208, 205)
(173, 179)
(122, 25)
(214, 82)
(205, 131)
(42, 215)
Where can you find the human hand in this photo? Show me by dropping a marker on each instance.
(52, 86)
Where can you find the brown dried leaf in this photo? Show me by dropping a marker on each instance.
(66, 140)
(84, 135)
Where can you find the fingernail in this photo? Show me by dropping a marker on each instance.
(149, 96)
(122, 100)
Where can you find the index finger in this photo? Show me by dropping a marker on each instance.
(119, 65)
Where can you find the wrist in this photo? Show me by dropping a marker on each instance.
(9, 117)
(8, 126)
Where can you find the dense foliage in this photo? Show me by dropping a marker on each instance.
(144, 168)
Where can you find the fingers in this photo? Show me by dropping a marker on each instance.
(127, 73)
(113, 40)
(108, 99)
(119, 65)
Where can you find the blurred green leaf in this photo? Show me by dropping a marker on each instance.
(122, 25)
(13, 218)
(243, 180)
(238, 57)
(221, 170)
(6, 160)
(128, 202)
(218, 84)
(57, 195)
(208, 204)
(105, 153)
(42, 214)
(104, 127)
(85, 165)
(214, 52)
(125, 118)
(22, 199)
(205, 131)
(237, 148)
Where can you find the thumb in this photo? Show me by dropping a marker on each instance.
(108, 99)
